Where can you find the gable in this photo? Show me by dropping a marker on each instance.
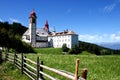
(26, 32)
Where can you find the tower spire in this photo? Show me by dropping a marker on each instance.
(33, 14)
(46, 27)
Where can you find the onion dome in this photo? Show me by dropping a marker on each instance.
(33, 14)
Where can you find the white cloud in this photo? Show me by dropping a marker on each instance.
(89, 38)
(115, 37)
(13, 20)
(1, 20)
(109, 8)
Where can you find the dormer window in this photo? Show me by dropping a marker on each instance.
(42, 33)
(37, 32)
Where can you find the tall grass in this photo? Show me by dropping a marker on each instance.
(53, 51)
(99, 67)
(9, 71)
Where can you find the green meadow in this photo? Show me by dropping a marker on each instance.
(105, 67)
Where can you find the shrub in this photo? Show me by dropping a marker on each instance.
(75, 50)
(27, 48)
(71, 51)
(65, 48)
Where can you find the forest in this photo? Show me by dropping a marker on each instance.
(96, 49)
(11, 35)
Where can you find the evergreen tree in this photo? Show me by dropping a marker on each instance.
(12, 40)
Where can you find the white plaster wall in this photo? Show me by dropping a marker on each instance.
(41, 44)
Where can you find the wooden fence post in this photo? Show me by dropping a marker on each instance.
(22, 63)
(41, 70)
(84, 73)
(76, 69)
(0, 56)
(38, 68)
(14, 58)
(6, 56)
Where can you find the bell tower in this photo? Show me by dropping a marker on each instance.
(32, 27)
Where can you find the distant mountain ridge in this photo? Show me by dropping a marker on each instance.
(111, 45)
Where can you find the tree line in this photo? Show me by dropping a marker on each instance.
(96, 49)
(89, 47)
(10, 37)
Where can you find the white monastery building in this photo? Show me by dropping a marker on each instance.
(44, 38)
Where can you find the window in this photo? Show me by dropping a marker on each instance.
(37, 32)
(68, 39)
(42, 33)
(65, 40)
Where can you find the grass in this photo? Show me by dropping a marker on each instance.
(105, 67)
(53, 51)
(8, 71)
(99, 67)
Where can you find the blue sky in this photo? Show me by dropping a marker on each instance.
(93, 20)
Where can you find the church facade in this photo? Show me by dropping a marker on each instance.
(44, 38)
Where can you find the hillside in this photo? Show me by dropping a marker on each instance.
(10, 37)
(96, 49)
(14, 28)
(99, 67)
(87, 48)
